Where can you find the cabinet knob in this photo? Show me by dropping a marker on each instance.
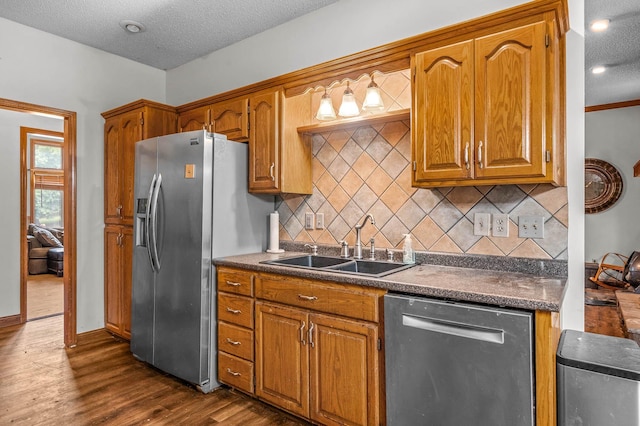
(119, 210)
(311, 327)
(303, 297)
(234, 311)
(302, 334)
(232, 342)
(233, 373)
(233, 284)
(273, 165)
(480, 155)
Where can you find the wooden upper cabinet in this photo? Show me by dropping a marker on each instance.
(264, 138)
(124, 126)
(484, 110)
(510, 102)
(230, 118)
(195, 119)
(443, 105)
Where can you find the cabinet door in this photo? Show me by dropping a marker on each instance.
(282, 357)
(195, 119)
(510, 103)
(344, 370)
(264, 167)
(112, 287)
(231, 118)
(443, 118)
(112, 170)
(126, 270)
(130, 133)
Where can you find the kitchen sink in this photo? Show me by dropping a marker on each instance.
(369, 268)
(309, 261)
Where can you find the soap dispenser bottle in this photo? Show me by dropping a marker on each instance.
(408, 255)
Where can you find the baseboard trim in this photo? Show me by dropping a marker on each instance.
(10, 320)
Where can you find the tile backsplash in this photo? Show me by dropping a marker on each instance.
(367, 170)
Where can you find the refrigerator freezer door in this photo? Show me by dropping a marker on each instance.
(183, 287)
(142, 307)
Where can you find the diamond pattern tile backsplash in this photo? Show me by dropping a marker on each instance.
(367, 170)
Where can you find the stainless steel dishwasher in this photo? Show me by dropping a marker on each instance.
(450, 363)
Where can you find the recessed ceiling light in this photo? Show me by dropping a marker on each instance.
(132, 27)
(598, 69)
(599, 25)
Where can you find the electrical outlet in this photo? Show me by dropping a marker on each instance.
(308, 221)
(500, 225)
(481, 223)
(319, 220)
(531, 227)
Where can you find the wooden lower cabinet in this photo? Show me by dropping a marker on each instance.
(118, 247)
(318, 366)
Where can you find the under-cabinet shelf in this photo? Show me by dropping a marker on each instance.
(347, 123)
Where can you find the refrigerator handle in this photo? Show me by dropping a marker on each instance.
(147, 221)
(155, 260)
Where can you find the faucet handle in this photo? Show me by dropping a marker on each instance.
(313, 247)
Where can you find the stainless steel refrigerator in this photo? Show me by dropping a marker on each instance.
(191, 205)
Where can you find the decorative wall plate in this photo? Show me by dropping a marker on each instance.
(602, 185)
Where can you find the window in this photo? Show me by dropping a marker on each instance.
(47, 183)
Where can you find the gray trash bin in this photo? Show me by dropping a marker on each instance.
(598, 380)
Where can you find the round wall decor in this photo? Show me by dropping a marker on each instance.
(602, 185)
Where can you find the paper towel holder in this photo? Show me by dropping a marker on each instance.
(274, 231)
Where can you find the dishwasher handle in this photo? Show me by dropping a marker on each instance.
(468, 331)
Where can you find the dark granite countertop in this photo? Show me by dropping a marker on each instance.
(501, 288)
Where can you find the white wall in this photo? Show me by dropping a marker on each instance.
(10, 122)
(340, 29)
(612, 135)
(39, 68)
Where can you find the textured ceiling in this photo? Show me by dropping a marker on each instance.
(618, 48)
(177, 31)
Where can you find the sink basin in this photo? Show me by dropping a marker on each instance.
(369, 268)
(309, 261)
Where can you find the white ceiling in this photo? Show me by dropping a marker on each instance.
(618, 48)
(179, 31)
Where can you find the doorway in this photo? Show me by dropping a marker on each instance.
(69, 213)
(45, 167)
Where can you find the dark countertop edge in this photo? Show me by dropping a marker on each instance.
(387, 283)
(552, 268)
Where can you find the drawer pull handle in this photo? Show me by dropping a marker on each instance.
(466, 156)
(234, 311)
(303, 297)
(233, 342)
(480, 155)
(234, 284)
(302, 333)
(233, 373)
(311, 326)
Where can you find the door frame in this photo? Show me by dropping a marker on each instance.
(70, 204)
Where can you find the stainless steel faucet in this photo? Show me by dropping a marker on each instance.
(357, 250)
(313, 247)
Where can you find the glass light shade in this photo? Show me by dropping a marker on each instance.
(373, 100)
(349, 107)
(325, 110)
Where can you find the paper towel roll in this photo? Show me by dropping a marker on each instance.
(274, 233)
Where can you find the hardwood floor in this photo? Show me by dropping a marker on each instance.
(99, 382)
(45, 296)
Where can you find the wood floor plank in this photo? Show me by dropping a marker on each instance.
(99, 382)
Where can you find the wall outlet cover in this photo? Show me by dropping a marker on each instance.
(500, 225)
(481, 224)
(308, 221)
(319, 220)
(531, 227)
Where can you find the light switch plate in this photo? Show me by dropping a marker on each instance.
(481, 223)
(500, 225)
(308, 221)
(531, 227)
(319, 220)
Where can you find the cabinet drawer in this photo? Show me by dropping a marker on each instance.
(235, 309)
(235, 372)
(235, 340)
(340, 299)
(234, 281)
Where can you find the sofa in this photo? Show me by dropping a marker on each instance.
(45, 249)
